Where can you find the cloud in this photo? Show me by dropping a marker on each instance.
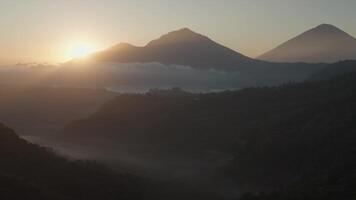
(141, 76)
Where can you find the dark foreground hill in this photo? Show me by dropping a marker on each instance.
(336, 69)
(29, 172)
(303, 144)
(261, 138)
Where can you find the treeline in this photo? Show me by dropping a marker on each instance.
(296, 138)
(304, 148)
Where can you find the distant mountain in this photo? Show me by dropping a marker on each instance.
(185, 47)
(324, 43)
(182, 47)
(336, 69)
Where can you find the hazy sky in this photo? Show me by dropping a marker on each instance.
(45, 30)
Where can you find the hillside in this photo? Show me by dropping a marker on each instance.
(300, 131)
(29, 172)
(40, 110)
(336, 69)
(270, 136)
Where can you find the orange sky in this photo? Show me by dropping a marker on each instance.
(47, 30)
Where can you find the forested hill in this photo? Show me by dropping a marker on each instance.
(333, 70)
(306, 142)
(305, 149)
(30, 172)
(277, 136)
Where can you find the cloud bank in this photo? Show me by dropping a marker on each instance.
(134, 77)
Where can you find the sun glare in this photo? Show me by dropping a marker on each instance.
(80, 50)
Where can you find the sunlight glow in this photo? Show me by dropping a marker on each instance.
(80, 50)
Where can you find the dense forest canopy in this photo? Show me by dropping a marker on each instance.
(277, 136)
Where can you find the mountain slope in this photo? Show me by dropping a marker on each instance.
(333, 70)
(54, 107)
(185, 47)
(31, 172)
(324, 43)
(265, 137)
(182, 47)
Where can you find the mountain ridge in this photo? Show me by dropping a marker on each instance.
(322, 44)
(180, 35)
(182, 47)
(185, 47)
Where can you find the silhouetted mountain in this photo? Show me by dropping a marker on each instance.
(333, 70)
(324, 43)
(185, 47)
(31, 172)
(266, 138)
(181, 58)
(182, 47)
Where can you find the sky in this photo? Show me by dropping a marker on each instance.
(48, 30)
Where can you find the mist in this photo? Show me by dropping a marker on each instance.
(132, 77)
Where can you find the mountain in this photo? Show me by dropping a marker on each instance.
(182, 47)
(261, 138)
(185, 47)
(31, 172)
(180, 58)
(324, 43)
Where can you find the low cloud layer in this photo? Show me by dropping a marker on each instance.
(134, 77)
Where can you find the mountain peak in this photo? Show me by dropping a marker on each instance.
(122, 45)
(183, 35)
(328, 29)
(180, 47)
(323, 43)
(187, 30)
(327, 26)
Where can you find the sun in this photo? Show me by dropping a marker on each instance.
(80, 50)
